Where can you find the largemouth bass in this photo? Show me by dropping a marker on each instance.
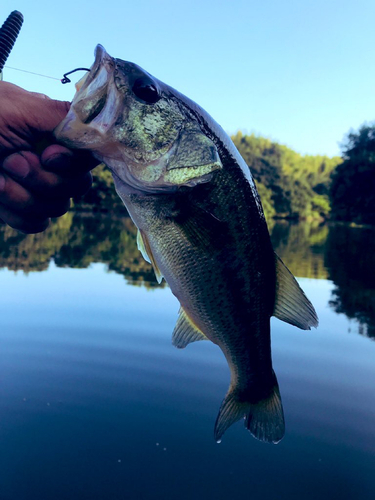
(200, 223)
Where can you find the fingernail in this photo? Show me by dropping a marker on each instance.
(16, 165)
(58, 160)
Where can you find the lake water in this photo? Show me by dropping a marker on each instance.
(95, 402)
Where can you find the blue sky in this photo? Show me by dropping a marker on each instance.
(299, 72)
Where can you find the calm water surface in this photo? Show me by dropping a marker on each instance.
(95, 402)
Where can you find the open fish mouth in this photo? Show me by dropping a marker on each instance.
(101, 58)
(91, 104)
(92, 89)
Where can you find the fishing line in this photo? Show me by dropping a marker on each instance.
(32, 73)
(8, 35)
(65, 78)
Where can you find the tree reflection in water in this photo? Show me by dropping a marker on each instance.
(340, 253)
(350, 260)
(343, 254)
(76, 240)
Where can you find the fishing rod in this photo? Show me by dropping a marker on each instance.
(8, 35)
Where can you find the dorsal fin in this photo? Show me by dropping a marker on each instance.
(291, 304)
(185, 331)
(145, 249)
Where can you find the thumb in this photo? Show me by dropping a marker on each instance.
(48, 113)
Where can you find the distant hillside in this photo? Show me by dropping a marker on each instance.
(290, 185)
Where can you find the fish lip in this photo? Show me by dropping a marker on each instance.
(99, 53)
(64, 131)
(101, 70)
(102, 58)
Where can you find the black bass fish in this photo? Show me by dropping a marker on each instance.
(200, 224)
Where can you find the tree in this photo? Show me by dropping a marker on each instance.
(352, 190)
(290, 185)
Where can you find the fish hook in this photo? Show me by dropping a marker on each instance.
(68, 80)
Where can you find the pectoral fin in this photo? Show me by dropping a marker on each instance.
(291, 304)
(145, 249)
(185, 331)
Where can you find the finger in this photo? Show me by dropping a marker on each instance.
(21, 201)
(41, 96)
(13, 195)
(24, 224)
(26, 116)
(40, 114)
(26, 169)
(45, 114)
(63, 161)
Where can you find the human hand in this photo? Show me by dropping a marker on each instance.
(37, 176)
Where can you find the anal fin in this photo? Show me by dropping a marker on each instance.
(145, 249)
(185, 331)
(291, 304)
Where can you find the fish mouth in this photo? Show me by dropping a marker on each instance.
(92, 89)
(102, 58)
(93, 103)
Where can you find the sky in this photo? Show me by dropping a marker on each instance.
(299, 72)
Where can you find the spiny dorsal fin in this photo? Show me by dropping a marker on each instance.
(145, 249)
(291, 304)
(185, 331)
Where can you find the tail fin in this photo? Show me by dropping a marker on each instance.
(264, 419)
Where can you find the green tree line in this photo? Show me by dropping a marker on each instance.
(291, 186)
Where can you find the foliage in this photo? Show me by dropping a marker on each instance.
(352, 190)
(77, 240)
(102, 196)
(290, 185)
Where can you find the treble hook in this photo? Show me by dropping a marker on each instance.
(68, 80)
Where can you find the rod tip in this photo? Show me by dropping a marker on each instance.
(17, 13)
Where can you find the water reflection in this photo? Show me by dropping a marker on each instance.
(77, 241)
(339, 253)
(301, 247)
(94, 399)
(350, 260)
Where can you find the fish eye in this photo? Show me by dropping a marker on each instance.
(146, 90)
